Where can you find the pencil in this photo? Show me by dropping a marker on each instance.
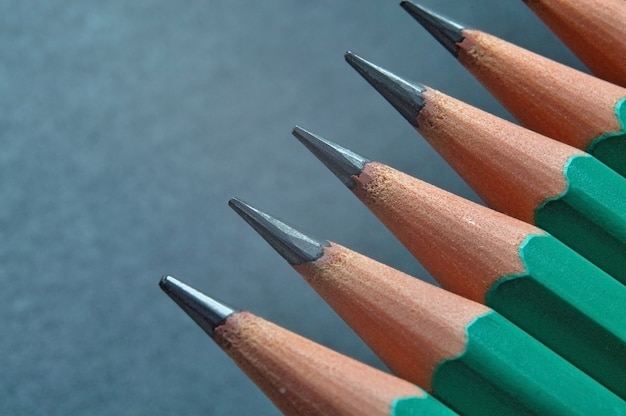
(299, 376)
(467, 355)
(516, 171)
(517, 269)
(594, 30)
(545, 96)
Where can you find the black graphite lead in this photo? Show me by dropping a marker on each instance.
(291, 244)
(404, 96)
(342, 162)
(207, 312)
(446, 31)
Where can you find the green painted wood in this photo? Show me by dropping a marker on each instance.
(569, 305)
(505, 371)
(590, 215)
(419, 406)
(610, 148)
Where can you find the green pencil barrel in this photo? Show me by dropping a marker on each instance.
(504, 371)
(610, 148)
(590, 216)
(417, 406)
(569, 305)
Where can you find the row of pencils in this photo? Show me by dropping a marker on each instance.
(531, 314)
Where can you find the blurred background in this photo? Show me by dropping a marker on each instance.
(127, 126)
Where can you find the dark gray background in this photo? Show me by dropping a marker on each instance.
(127, 125)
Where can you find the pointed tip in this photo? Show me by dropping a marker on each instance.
(446, 31)
(291, 244)
(208, 313)
(342, 162)
(404, 96)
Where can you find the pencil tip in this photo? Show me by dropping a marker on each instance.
(341, 161)
(207, 312)
(291, 244)
(446, 31)
(404, 96)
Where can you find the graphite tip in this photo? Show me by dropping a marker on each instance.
(342, 162)
(404, 96)
(446, 31)
(208, 313)
(291, 244)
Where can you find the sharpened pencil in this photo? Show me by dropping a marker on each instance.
(595, 30)
(516, 171)
(519, 270)
(545, 96)
(467, 355)
(298, 375)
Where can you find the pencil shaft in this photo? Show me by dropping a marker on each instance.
(303, 378)
(533, 178)
(458, 242)
(464, 246)
(373, 299)
(440, 340)
(590, 214)
(551, 385)
(567, 305)
(514, 170)
(550, 98)
(298, 375)
(519, 172)
(593, 29)
(497, 368)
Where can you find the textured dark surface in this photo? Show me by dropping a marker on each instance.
(343, 163)
(445, 30)
(291, 244)
(209, 313)
(127, 125)
(404, 95)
